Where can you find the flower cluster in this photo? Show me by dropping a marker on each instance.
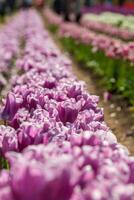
(65, 149)
(86, 167)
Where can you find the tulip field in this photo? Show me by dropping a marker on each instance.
(54, 142)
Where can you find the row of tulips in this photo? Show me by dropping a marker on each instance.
(114, 19)
(46, 102)
(109, 58)
(55, 137)
(113, 48)
(109, 29)
(10, 36)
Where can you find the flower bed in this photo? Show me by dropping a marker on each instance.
(72, 154)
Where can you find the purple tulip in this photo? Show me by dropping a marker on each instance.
(50, 83)
(10, 108)
(9, 143)
(74, 91)
(67, 112)
(26, 135)
(6, 193)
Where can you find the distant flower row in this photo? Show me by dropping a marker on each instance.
(115, 10)
(111, 47)
(114, 19)
(107, 28)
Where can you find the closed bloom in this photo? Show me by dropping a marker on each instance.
(10, 108)
(68, 112)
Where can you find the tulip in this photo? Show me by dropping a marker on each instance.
(67, 112)
(10, 108)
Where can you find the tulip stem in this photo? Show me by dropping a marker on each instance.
(4, 163)
(2, 122)
(5, 122)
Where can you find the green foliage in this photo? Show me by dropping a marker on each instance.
(4, 163)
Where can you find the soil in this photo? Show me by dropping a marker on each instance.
(117, 114)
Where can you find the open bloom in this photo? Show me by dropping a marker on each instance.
(8, 139)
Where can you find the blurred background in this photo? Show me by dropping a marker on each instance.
(8, 6)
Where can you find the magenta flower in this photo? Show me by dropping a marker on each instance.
(27, 135)
(50, 83)
(68, 112)
(74, 91)
(10, 108)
